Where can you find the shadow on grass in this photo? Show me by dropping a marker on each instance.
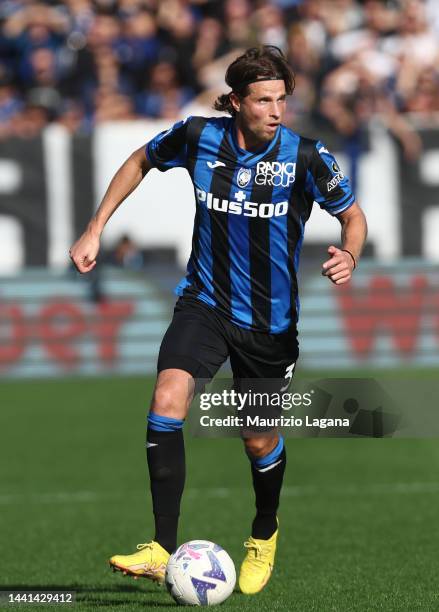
(79, 588)
(95, 602)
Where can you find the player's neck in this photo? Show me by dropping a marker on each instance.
(247, 140)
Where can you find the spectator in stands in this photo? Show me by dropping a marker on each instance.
(424, 96)
(11, 103)
(238, 23)
(126, 254)
(270, 25)
(139, 44)
(179, 27)
(111, 105)
(43, 84)
(210, 43)
(164, 96)
(73, 118)
(122, 59)
(99, 69)
(30, 121)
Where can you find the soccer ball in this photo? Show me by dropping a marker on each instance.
(200, 573)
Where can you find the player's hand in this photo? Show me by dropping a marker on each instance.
(339, 267)
(84, 252)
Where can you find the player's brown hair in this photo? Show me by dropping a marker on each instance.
(266, 62)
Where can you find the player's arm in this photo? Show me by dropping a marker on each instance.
(330, 188)
(342, 263)
(84, 252)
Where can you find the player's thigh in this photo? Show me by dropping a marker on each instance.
(263, 366)
(193, 343)
(256, 355)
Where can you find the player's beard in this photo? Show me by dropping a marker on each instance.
(257, 132)
(266, 133)
(262, 134)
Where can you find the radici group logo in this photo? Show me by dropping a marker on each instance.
(275, 174)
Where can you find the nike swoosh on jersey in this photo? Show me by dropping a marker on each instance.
(149, 444)
(215, 164)
(323, 150)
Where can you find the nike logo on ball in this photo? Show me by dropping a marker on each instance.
(215, 164)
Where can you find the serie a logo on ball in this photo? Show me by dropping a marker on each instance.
(244, 176)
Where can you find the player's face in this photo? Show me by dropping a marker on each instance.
(262, 110)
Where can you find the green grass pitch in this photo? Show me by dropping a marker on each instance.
(358, 519)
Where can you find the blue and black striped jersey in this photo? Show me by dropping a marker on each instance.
(251, 210)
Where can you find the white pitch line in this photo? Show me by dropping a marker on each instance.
(350, 490)
(50, 498)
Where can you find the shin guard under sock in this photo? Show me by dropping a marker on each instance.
(267, 473)
(166, 464)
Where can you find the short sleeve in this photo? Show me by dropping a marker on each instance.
(168, 149)
(326, 182)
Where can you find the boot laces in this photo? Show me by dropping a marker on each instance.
(145, 545)
(151, 567)
(259, 551)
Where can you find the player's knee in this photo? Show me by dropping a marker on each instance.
(260, 446)
(171, 399)
(166, 402)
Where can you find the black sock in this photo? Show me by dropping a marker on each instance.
(166, 464)
(267, 485)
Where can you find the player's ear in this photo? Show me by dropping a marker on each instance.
(235, 101)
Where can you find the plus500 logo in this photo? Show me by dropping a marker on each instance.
(247, 209)
(275, 174)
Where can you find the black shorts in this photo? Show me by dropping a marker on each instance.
(199, 341)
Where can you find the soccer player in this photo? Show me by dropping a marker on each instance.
(255, 182)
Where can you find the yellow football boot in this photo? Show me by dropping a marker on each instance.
(149, 561)
(258, 564)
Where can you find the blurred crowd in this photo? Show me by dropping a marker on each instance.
(82, 62)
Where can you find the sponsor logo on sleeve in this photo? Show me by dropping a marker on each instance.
(336, 179)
